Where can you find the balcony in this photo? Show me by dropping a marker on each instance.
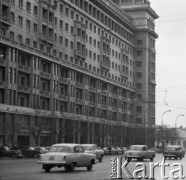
(5, 20)
(45, 75)
(63, 97)
(2, 62)
(92, 104)
(23, 88)
(92, 89)
(45, 93)
(103, 92)
(78, 101)
(6, 1)
(63, 80)
(46, 38)
(23, 68)
(80, 53)
(114, 96)
(106, 64)
(125, 74)
(79, 85)
(2, 84)
(123, 98)
(114, 108)
(103, 106)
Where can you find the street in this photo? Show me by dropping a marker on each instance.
(21, 169)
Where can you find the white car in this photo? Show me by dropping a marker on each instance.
(139, 152)
(92, 148)
(67, 155)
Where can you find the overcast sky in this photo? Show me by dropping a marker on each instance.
(170, 61)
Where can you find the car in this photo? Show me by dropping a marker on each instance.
(123, 149)
(41, 149)
(173, 151)
(30, 152)
(6, 151)
(67, 155)
(139, 152)
(92, 148)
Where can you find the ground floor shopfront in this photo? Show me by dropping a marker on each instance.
(24, 129)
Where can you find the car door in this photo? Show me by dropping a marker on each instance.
(84, 156)
(77, 156)
(145, 152)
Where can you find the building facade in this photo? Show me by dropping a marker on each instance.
(79, 71)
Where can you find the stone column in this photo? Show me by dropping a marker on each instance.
(88, 132)
(93, 128)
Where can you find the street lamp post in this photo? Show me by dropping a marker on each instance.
(177, 118)
(162, 127)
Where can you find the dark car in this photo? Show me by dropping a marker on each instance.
(6, 151)
(30, 152)
(173, 151)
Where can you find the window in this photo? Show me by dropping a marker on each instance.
(55, 21)
(138, 85)
(138, 64)
(20, 38)
(12, 17)
(66, 42)
(11, 35)
(139, 109)
(139, 74)
(61, 40)
(66, 27)
(28, 24)
(35, 28)
(28, 41)
(139, 53)
(28, 6)
(72, 15)
(20, 3)
(35, 10)
(71, 45)
(66, 11)
(139, 42)
(35, 44)
(20, 21)
(61, 24)
(61, 8)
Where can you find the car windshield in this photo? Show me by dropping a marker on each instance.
(135, 148)
(170, 149)
(64, 149)
(88, 148)
(6, 148)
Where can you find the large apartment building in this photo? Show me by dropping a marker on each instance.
(79, 71)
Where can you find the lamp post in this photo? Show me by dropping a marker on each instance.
(162, 127)
(177, 118)
(163, 115)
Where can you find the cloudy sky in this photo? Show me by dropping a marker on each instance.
(171, 61)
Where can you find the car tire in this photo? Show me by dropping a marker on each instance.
(47, 169)
(175, 157)
(90, 166)
(152, 159)
(100, 159)
(180, 157)
(165, 157)
(15, 156)
(72, 167)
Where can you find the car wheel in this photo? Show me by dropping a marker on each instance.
(165, 157)
(72, 167)
(47, 169)
(138, 159)
(175, 157)
(180, 157)
(152, 158)
(100, 159)
(90, 166)
(14, 156)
